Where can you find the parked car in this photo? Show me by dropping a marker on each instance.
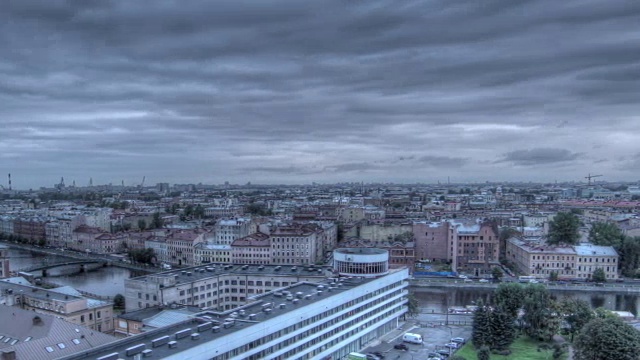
(378, 354)
(443, 352)
(401, 347)
(451, 345)
(372, 357)
(458, 340)
(484, 280)
(463, 277)
(468, 280)
(434, 356)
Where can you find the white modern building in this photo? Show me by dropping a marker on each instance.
(365, 262)
(323, 320)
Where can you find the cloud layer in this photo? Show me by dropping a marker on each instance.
(292, 92)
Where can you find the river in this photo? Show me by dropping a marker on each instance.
(105, 281)
(108, 281)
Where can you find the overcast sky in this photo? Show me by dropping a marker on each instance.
(326, 91)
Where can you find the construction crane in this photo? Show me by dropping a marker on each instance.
(589, 177)
(142, 184)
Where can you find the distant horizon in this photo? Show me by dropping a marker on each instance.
(318, 183)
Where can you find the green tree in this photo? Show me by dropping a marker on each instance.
(564, 229)
(607, 339)
(509, 297)
(198, 212)
(503, 332)
(413, 308)
(484, 353)
(577, 313)
(553, 276)
(481, 328)
(599, 275)
(496, 273)
(156, 222)
(629, 252)
(119, 301)
(142, 224)
(541, 314)
(605, 233)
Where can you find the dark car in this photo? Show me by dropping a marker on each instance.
(400, 347)
(378, 354)
(444, 352)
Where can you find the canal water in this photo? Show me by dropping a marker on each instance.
(108, 281)
(104, 281)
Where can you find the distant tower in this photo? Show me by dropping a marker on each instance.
(90, 182)
(9, 181)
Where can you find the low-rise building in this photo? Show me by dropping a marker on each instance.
(252, 249)
(64, 302)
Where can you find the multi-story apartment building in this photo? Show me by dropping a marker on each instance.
(296, 244)
(98, 217)
(569, 262)
(434, 241)
(228, 230)
(83, 238)
(478, 247)
(592, 257)
(309, 320)
(31, 228)
(181, 246)
(6, 224)
(65, 303)
(534, 258)
(206, 253)
(252, 249)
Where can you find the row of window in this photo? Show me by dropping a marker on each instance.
(325, 321)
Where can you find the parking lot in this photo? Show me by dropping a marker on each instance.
(434, 337)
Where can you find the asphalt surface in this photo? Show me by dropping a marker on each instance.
(434, 333)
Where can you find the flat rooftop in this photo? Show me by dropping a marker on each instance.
(195, 273)
(210, 325)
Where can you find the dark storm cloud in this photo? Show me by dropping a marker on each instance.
(231, 89)
(443, 161)
(539, 156)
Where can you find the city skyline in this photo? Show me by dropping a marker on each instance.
(286, 92)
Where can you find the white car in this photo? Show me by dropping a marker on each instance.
(484, 280)
(463, 277)
(451, 345)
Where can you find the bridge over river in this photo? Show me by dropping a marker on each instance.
(64, 267)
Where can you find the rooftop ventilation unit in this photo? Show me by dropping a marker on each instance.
(299, 295)
(242, 313)
(267, 311)
(252, 316)
(135, 349)
(295, 301)
(183, 333)
(319, 293)
(160, 341)
(173, 344)
(307, 297)
(266, 305)
(282, 306)
(147, 353)
(215, 329)
(195, 336)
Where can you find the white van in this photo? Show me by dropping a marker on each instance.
(412, 338)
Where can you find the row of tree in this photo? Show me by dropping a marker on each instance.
(516, 309)
(628, 247)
